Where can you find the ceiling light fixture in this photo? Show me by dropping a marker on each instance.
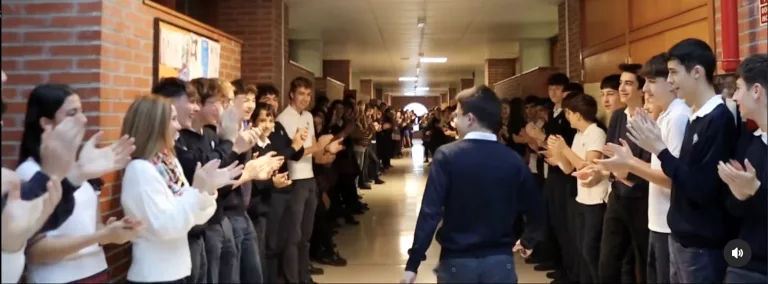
(417, 71)
(410, 94)
(422, 89)
(408, 79)
(433, 59)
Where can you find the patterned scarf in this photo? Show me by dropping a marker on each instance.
(168, 168)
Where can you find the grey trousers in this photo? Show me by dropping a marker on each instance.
(248, 261)
(221, 253)
(278, 221)
(302, 219)
(490, 269)
(199, 262)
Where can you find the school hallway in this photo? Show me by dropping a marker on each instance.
(377, 249)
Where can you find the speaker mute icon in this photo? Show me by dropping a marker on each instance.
(737, 253)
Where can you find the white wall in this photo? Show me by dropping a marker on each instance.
(308, 53)
(534, 53)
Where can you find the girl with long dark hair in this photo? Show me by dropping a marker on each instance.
(72, 252)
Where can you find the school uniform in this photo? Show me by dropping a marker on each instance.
(212, 244)
(625, 227)
(476, 172)
(752, 212)
(303, 198)
(83, 264)
(560, 193)
(672, 123)
(699, 222)
(591, 206)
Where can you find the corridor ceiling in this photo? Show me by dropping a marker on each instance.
(381, 37)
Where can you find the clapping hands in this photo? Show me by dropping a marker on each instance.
(644, 132)
(120, 231)
(742, 181)
(21, 219)
(95, 162)
(210, 177)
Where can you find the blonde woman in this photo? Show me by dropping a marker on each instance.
(156, 191)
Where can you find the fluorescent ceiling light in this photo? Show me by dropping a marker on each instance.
(422, 89)
(408, 79)
(417, 71)
(410, 94)
(433, 59)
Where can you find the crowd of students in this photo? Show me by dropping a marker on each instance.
(653, 195)
(219, 184)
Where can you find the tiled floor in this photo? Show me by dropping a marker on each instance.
(377, 249)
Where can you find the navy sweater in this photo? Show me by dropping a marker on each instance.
(752, 211)
(697, 215)
(36, 187)
(477, 188)
(617, 129)
(192, 148)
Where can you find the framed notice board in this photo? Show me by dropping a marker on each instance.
(179, 52)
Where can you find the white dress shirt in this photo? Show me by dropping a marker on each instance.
(477, 135)
(161, 252)
(672, 123)
(292, 121)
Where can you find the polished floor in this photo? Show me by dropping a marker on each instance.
(377, 249)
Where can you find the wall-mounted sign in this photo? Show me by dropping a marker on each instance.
(184, 54)
(763, 12)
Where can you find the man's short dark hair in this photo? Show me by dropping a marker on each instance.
(611, 82)
(208, 88)
(754, 70)
(242, 88)
(656, 67)
(694, 52)
(173, 87)
(300, 82)
(573, 87)
(558, 79)
(634, 69)
(484, 104)
(263, 90)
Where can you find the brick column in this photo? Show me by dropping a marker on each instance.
(499, 69)
(366, 91)
(467, 83)
(262, 26)
(572, 59)
(339, 70)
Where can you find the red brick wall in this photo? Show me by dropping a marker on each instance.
(103, 49)
(573, 56)
(499, 69)
(467, 83)
(260, 25)
(339, 70)
(753, 38)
